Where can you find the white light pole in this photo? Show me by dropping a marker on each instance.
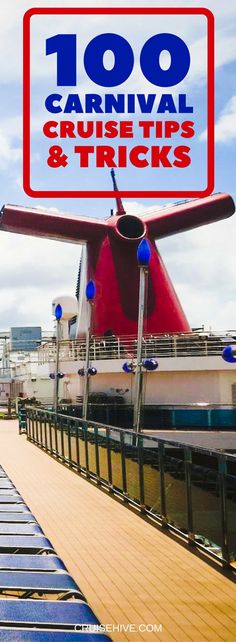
(143, 256)
(90, 294)
(58, 315)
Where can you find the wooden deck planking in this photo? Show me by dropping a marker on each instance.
(128, 570)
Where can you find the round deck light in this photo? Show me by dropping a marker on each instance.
(52, 375)
(143, 253)
(60, 375)
(150, 364)
(81, 372)
(92, 371)
(128, 367)
(229, 354)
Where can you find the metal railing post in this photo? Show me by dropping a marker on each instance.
(85, 431)
(123, 464)
(62, 437)
(118, 348)
(141, 475)
(96, 444)
(222, 471)
(109, 467)
(41, 430)
(162, 485)
(50, 434)
(56, 435)
(187, 466)
(77, 446)
(29, 427)
(69, 442)
(45, 432)
(36, 430)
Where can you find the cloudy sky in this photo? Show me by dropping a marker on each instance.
(201, 263)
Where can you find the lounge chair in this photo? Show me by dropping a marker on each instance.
(22, 635)
(13, 508)
(46, 614)
(46, 563)
(6, 483)
(25, 544)
(11, 517)
(29, 583)
(11, 499)
(20, 529)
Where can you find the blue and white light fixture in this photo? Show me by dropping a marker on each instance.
(90, 290)
(58, 312)
(56, 375)
(129, 367)
(229, 354)
(150, 364)
(143, 253)
(81, 372)
(92, 371)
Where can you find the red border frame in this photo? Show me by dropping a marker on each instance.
(26, 102)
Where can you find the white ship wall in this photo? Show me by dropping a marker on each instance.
(163, 387)
(177, 381)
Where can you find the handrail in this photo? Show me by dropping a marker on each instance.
(176, 345)
(143, 470)
(95, 424)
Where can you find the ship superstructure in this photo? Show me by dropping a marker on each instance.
(190, 367)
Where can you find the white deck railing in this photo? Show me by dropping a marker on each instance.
(178, 345)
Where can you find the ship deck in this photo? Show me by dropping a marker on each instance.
(215, 439)
(129, 571)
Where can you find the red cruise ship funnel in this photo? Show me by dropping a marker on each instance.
(111, 257)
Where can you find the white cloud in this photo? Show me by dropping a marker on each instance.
(8, 153)
(225, 48)
(202, 266)
(133, 207)
(32, 272)
(225, 128)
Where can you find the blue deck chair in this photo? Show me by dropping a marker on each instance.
(25, 544)
(14, 508)
(46, 563)
(11, 499)
(6, 483)
(47, 614)
(30, 583)
(17, 518)
(19, 635)
(20, 529)
(8, 491)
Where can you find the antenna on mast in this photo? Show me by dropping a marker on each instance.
(119, 204)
